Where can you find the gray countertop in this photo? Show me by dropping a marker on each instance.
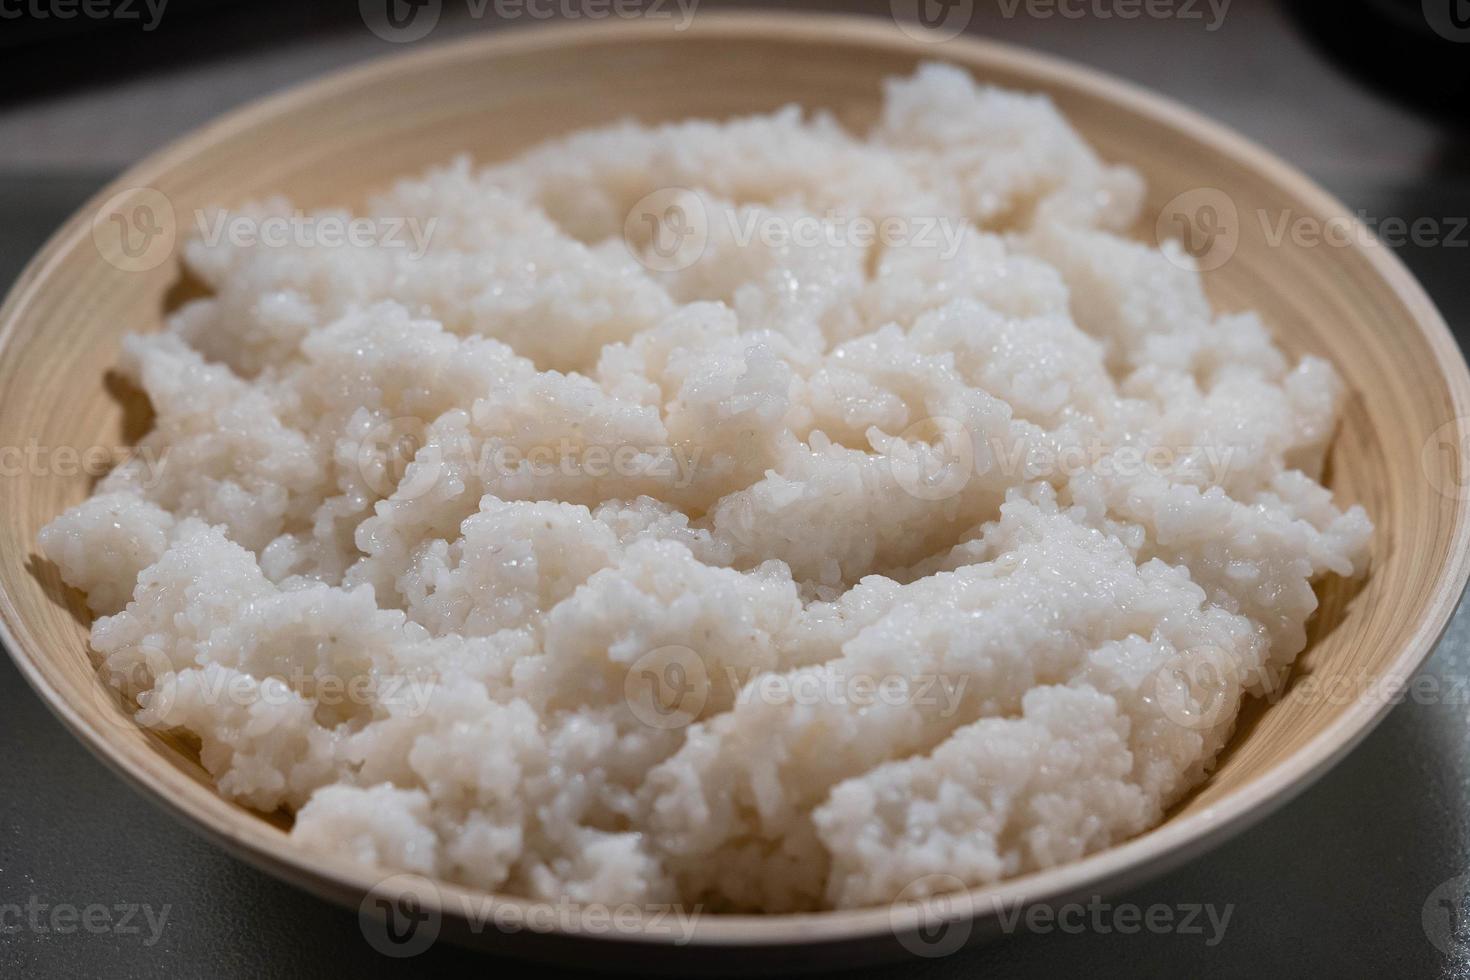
(1345, 880)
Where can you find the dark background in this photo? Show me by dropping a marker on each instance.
(1336, 884)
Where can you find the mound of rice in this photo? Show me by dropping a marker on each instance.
(717, 551)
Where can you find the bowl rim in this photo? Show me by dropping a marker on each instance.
(261, 844)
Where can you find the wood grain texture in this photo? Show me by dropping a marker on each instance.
(1400, 450)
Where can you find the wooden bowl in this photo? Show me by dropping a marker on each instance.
(1399, 451)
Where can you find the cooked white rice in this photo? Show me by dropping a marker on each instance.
(772, 576)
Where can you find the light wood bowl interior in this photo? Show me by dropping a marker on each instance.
(331, 142)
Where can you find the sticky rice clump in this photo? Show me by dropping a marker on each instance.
(752, 513)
